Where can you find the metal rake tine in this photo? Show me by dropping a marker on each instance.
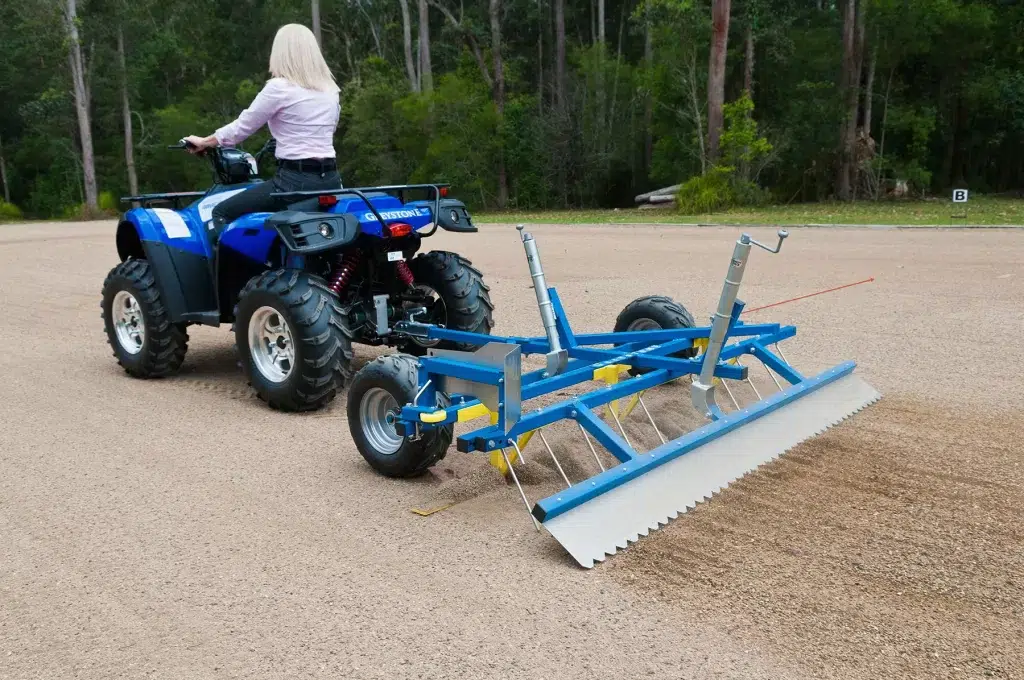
(644, 407)
(550, 451)
(778, 349)
(591, 445)
(729, 392)
(519, 451)
(776, 380)
(751, 383)
(519, 486)
(621, 429)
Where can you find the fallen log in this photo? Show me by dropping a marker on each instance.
(666, 191)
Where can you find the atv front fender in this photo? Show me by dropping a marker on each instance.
(182, 269)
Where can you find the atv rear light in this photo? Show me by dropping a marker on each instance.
(328, 201)
(399, 229)
(444, 191)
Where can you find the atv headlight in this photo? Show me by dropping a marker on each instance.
(326, 231)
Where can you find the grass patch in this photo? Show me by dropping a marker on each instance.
(980, 210)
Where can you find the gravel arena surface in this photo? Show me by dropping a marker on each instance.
(180, 529)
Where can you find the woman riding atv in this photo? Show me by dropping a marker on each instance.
(300, 105)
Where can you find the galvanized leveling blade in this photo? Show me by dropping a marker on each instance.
(732, 446)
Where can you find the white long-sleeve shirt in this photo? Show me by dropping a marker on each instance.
(302, 121)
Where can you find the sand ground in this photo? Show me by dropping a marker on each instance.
(179, 529)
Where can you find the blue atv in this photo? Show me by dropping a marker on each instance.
(299, 286)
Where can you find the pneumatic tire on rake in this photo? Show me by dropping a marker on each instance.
(293, 342)
(655, 312)
(463, 300)
(145, 342)
(378, 392)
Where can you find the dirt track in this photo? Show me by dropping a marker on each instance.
(179, 529)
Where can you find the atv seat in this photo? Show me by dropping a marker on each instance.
(311, 232)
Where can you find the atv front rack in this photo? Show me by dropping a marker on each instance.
(148, 199)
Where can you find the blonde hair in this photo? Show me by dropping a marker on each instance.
(296, 56)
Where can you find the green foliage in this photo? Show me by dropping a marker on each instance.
(948, 98)
(708, 193)
(9, 211)
(743, 154)
(740, 142)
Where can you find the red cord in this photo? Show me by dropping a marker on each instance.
(820, 292)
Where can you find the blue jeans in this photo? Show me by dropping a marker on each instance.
(259, 199)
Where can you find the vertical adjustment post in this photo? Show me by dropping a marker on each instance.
(702, 391)
(557, 357)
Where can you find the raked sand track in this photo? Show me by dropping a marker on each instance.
(179, 529)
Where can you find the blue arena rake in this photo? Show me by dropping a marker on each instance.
(594, 517)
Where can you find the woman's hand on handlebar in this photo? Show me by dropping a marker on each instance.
(197, 145)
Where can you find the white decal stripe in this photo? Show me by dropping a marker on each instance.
(172, 223)
(207, 205)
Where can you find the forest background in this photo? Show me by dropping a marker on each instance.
(530, 104)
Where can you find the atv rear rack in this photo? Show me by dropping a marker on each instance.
(598, 515)
(437, 192)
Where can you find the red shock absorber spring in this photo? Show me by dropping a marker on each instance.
(404, 273)
(344, 270)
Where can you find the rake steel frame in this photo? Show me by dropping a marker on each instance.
(639, 349)
(603, 513)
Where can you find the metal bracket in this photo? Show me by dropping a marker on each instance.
(505, 398)
(380, 306)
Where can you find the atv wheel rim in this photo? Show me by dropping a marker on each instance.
(378, 411)
(271, 345)
(436, 315)
(129, 325)
(644, 325)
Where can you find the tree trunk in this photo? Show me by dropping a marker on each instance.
(3, 174)
(716, 74)
(560, 84)
(854, 103)
(426, 72)
(410, 66)
(126, 113)
(540, 56)
(348, 54)
(748, 59)
(848, 89)
(869, 90)
(695, 100)
(81, 106)
(600, 21)
(499, 98)
(649, 100)
(316, 22)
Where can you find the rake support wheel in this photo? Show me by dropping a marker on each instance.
(655, 312)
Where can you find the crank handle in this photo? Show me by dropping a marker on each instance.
(782, 237)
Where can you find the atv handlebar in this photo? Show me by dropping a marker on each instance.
(182, 144)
